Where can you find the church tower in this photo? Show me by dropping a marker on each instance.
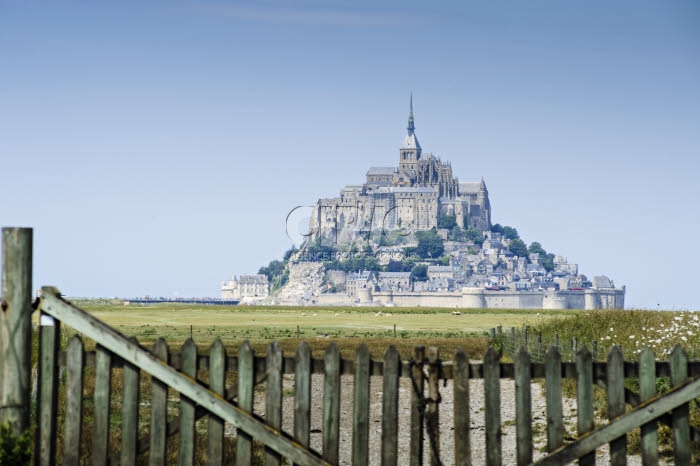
(410, 151)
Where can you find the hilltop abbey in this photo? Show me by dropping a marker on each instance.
(411, 196)
(364, 247)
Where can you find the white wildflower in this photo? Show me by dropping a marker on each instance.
(611, 329)
(631, 337)
(684, 338)
(608, 337)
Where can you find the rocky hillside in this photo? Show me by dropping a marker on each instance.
(305, 280)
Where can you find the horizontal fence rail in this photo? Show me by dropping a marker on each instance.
(376, 367)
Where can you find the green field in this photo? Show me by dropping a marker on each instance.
(272, 322)
(347, 326)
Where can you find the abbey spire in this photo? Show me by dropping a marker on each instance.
(411, 128)
(410, 149)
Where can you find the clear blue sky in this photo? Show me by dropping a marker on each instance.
(157, 147)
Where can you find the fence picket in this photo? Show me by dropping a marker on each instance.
(273, 397)
(390, 406)
(523, 407)
(360, 424)
(492, 407)
(681, 415)
(73, 424)
(331, 404)
(432, 412)
(159, 411)
(461, 408)
(215, 425)
(616, 402)
(555, 426)
(647, 390)
(103, 384)
(417, 406)
(48, 392)
(584, 398)
(246, 385)
(130, 414)
(594, 350)
(187, 406)
(302, 394)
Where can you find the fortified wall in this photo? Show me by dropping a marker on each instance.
(478, 298)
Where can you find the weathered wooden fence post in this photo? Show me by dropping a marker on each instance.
(16, 327)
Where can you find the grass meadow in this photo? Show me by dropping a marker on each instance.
(347, 326)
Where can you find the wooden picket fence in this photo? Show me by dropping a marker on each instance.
(425, 369)
(234, 404)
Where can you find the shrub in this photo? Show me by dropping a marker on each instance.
(15, 450)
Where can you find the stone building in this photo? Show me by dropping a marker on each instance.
(395, 281)
(359, 281)
(440, 271)
(411, 196)
(254, 286)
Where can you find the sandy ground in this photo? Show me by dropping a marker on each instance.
(446, 420)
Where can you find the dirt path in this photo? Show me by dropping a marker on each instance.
(478, 440)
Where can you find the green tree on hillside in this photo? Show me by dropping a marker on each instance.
(447, 221)
(274, 269)
(430, 245)
(288, 253)
(475, 235)
(457, 234)
(419, 273)
(546, 259)
(394, 266)
(547, 262)
(536, 248)
(510, 233)
(517, 247)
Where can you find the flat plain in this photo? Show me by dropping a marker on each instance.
(312, 321)
(378, 327)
